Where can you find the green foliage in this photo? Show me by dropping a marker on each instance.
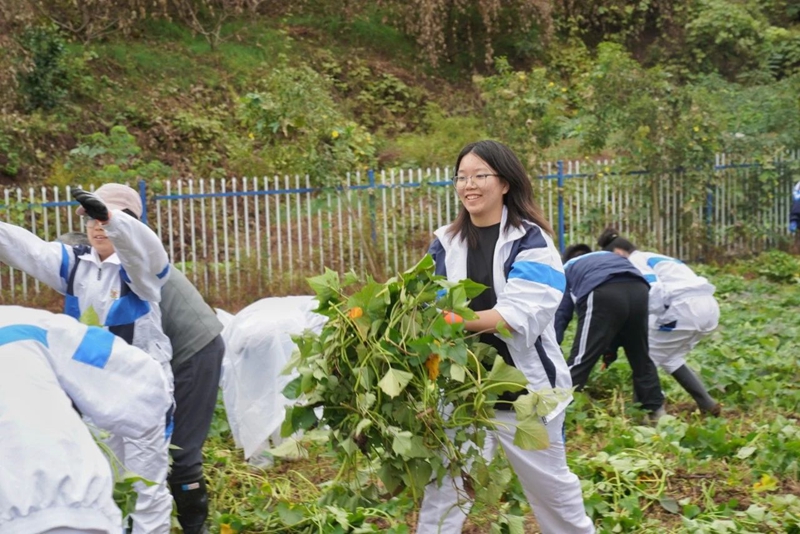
(776, 266)
(293, 114)
(102, 158)
(400, 387)
(528, 110)
(43, 84)
(783, 52)
(436, 143)
(726, 37)
(378, 100)
(9, 156)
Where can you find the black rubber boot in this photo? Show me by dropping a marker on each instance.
(694, 386)
(191, 500)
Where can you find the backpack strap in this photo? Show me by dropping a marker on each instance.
(71, 305)
(123, 313)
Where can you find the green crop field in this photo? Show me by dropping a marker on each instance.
(737, 473)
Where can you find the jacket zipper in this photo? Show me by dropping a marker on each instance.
(99, 272)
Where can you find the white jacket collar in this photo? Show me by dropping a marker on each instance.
(506, 234)
(93, 257)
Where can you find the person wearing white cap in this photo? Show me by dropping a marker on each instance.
(115, 283)
(53, 477)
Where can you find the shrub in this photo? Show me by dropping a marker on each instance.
(725, 37)
(101, 158)
(296, 128)
(43, 83)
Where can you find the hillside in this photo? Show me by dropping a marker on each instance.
(324, 89)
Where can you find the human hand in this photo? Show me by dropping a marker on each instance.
(92, 205)
(608, 358)
(451, 317)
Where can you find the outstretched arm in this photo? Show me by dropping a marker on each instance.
(50, 263)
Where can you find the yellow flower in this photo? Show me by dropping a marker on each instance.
(767, 483)
(355, 313)
(432, 364)
(251, 136)
(521, 76)
(335, 134)
(225, 528)
(563, 89)
(551, 84)
(696, 128)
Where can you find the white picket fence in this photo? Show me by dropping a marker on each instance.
(266, 235)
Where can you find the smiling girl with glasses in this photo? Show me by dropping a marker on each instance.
(501, 239)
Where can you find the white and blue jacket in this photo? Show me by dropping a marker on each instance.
(119, 387)
(529, 283)
(123, 290)
(677, 283)
(794, 214)
(586, 273)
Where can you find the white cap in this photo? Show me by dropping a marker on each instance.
(118, 197)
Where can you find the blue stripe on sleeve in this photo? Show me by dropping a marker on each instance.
(163, 273)
(72, 306)
(539, 273)
(655, 260)
(126, 310)
(584, 256)
(95, 347)
(23, 332)
(64, 271)
(651, 278)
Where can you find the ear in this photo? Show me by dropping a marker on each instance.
(505, 185)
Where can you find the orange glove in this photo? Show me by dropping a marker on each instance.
(452, 318)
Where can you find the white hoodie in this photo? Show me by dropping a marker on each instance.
(119, 387)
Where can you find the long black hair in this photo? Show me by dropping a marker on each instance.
(519, 198)
(610, 239)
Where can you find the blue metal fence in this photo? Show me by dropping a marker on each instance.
(277, 231)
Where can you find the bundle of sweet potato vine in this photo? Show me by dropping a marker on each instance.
(399, 386)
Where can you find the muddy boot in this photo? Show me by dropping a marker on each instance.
(653, 417)
(694, 386)
(191, 500)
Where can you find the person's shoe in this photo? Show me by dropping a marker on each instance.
(191, 500)
(655, 416)
(695, 387)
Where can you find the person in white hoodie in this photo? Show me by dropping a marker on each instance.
(501, 239)
(53, 477)
(688, 312)
(115, 283)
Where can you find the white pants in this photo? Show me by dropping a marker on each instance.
(148, 458)
(695, 317)
(553, 491)
(65, 530)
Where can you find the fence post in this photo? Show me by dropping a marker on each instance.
(143, 195)
(709, 212)
(560, 165)
(373, 234)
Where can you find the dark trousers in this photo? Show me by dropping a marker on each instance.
(615, 314)
(196, 387)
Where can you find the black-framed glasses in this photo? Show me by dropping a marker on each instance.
(460, 182)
